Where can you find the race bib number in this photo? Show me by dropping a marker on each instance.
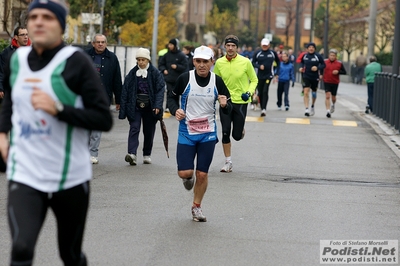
(199, 125)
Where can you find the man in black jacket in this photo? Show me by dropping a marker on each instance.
(107, 65)
(264, 61)
(20, 39)
(172, 65)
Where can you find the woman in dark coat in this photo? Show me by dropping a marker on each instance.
(141, 102)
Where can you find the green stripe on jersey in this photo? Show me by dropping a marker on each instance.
(67, 97)
(14, 66)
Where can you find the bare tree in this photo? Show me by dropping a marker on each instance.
(290, 8)
(353, 38)
(385, 26)
(14, 15)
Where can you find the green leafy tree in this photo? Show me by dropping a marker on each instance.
(141, 34)
(246, 36)
(190, 32)
(173, 2)
(341, 35)
(116, 12)
(227, 5)
(221, 23)
(4, 44)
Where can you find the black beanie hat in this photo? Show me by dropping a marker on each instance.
(174, 42)
(56, 7)
(311, 44)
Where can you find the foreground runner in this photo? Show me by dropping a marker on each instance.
(239, 76)
(197, 135)
(53, 98)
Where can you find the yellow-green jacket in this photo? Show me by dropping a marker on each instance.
(239, 76)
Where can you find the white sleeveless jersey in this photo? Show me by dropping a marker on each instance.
(45, 153)
(199, 105)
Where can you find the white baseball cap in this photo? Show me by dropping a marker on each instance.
(203, 52)
(265, 41)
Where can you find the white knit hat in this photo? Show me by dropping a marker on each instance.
(143, 53)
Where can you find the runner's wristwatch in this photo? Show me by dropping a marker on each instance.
(59, 106)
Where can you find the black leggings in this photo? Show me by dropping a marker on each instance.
(263, 92)
(237, 117)
(27, 208)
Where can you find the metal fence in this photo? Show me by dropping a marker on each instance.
(386, 101)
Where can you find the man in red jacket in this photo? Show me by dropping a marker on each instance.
(333, 69)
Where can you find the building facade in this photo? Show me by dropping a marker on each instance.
(276, 17)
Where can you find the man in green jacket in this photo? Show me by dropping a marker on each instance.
(369, 72)
(240, 77)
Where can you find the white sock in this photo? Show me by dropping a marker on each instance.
(228, 159)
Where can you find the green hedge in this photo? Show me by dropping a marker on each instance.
(385, 58)
(3, 44)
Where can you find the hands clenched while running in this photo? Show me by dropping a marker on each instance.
(180, 114)
(222, 100)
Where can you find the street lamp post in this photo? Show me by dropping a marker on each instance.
(269, 16)
(297, 28)
(312, 21)
(155, 33)
(326, 29)
(396, 43)
(103, 2)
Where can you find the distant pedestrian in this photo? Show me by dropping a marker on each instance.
(141, 102)
(285, 76)
(193, 102)
(239, 76)
(361, 62)
(53, 98)
(172, 65)
(370, 70)
(107, 65)
(161, 53)
(188, 51)
(292, 57)
(330, 76)
(311, 64)
(264, 60)
(248, 52)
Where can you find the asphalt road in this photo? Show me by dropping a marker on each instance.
(295, 181)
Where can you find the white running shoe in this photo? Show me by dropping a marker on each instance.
(131, 159)
(94, 160)
(227, 167)
(146, 159)
(312, 112)
(307, 112)
(332, 109)
(263, 112)
(197, 215)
